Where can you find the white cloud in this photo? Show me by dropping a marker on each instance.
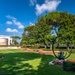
(9, 22)
(11, 30)
(15, 22)
(31, 23)
(49, 6)
(32, 2)
(11, 17)
(19, 24)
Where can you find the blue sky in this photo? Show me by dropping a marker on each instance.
(17, 14)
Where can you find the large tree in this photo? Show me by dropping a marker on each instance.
(62, 23)
(37, 33)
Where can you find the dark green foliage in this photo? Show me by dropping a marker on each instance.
(69, 66)
(16, 37)
(61, 23)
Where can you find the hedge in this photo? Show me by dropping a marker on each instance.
(69, 66)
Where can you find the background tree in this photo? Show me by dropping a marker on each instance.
(15, 40)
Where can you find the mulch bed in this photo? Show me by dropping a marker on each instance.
(71, 60)
(40, 51)
(47, 52)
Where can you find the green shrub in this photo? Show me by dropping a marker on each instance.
(69, 66)
(73, 50)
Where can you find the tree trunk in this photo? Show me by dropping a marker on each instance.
(51, 46)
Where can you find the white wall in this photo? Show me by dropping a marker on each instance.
(2, 39)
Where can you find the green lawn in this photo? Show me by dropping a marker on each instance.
(18, 62)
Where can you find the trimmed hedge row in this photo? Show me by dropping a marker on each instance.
(69, 66)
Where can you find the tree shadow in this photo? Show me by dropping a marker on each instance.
(12, 64)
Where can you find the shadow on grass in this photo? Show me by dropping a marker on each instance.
(16, 64)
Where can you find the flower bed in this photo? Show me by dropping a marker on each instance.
(47, 52)
(58, 62)
(20, 48)
(40, 51)
(29, 50)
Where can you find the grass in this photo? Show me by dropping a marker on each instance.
(18, 62)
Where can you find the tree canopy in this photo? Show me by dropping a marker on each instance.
(62, 23)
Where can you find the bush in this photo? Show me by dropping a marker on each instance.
(73, 50)
(69, 66)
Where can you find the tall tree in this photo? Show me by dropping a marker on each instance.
(62, 22)
(15, 40)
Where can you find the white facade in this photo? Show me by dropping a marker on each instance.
(5, 40)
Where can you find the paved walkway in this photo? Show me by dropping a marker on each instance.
(1, 48)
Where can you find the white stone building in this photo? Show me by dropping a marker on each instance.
(5, 40)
